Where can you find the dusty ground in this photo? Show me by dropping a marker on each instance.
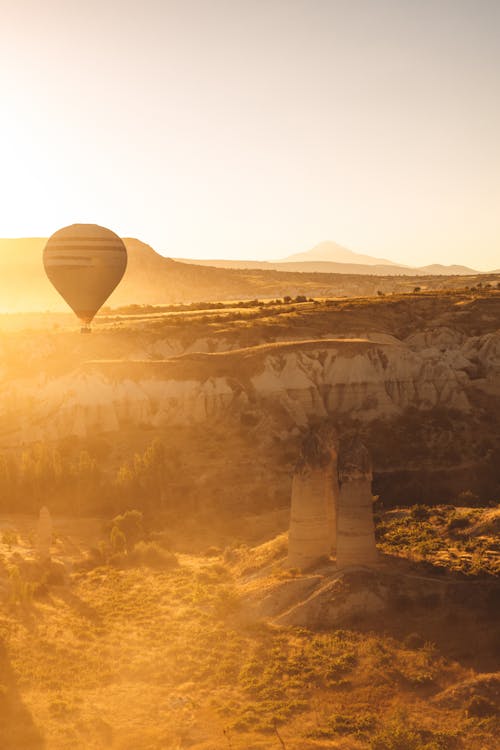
(172, 656)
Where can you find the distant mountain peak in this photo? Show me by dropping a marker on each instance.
(334, 253)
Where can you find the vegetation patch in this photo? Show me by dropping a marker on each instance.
(442, 535)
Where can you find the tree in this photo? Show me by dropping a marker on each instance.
(118, 540)
(130, 526)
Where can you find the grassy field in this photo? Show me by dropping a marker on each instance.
(462, 540)
(155, 651)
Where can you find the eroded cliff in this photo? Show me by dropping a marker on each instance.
(271, 373)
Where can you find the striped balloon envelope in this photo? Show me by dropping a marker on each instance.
(85, 262)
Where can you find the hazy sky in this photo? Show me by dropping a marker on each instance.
(256, 128)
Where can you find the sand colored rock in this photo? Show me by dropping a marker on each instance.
(44, 534)
(355, 526)
(302, 381)
(314, 487)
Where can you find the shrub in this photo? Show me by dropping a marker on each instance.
(397, 736)
(21, 591)
(9, 537)
(344, 724)
(481, 707)
(400, 735)
(130, 525)
(118, 540)
(457, 523)
(468, 499)
(414, 641)
(153, 556)
(420, 513)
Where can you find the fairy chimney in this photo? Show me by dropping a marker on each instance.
(355, 526)
(314, 496)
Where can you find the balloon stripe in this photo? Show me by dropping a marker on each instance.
(85, 263)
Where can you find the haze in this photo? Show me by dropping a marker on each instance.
(256, 129)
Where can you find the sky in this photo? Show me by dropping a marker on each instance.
(256, 128)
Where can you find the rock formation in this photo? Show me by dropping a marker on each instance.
(331, 504)
(44, 535)
(299, 382)
(355, 526)
(314, 497)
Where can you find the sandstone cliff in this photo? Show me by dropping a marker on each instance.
(271, 373)
(296, 381)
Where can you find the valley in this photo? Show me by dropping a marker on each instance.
(164, 445)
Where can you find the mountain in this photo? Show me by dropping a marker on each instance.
(154, 279)
(332, 267)
(436, 269)
(329, 257)
(331, 252)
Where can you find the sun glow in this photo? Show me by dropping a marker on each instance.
(171, 127)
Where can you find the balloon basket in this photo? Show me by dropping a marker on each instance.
(85, 329)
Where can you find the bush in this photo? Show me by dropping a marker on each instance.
(457, 523)
(468, 499)
(400, 735)
(481, 707)
(9, 538)
(420, 513)
(118, 540)
(130, 525)
(21, 591)
(153, 556)
(344, 724)
(414, 641)
(396, 737)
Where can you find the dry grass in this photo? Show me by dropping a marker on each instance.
(462, 540)
(168, 658)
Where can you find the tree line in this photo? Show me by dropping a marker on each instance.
(80, 484)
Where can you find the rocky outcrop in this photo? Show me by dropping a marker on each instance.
(314, 498)
(355, 526)
(335, 601)
(332, 504)
(476, 356)
(358, 377)
(296, 382)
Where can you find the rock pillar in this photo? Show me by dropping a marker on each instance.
(355, 526)
(313, 513)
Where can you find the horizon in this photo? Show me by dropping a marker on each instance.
(240, 131)
(250, 374)
(285, 258)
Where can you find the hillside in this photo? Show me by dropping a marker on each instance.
(329, 257)
(159, 649)
(164, 445)
(415, 370)
(153, 279)
(335, 253)
(334, 267)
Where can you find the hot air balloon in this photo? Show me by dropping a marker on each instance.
(85, 262)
